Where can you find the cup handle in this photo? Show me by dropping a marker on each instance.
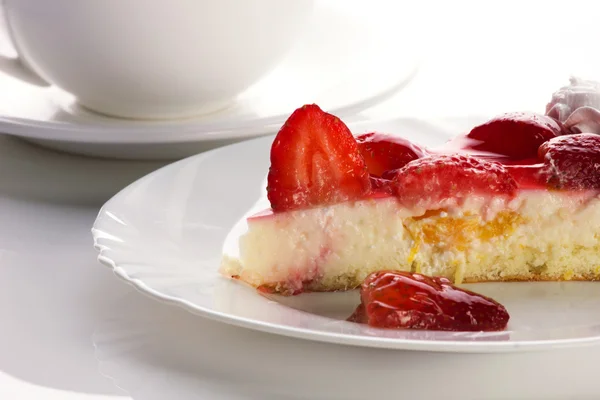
(16, 66)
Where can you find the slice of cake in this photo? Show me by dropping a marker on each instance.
(516, 199)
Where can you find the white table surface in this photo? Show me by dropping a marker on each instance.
(54, 295)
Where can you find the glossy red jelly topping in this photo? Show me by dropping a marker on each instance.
(496, 158)
(535, 150)
(393, 299)
(316, 161)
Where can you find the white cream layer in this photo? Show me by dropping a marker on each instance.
(549, 235)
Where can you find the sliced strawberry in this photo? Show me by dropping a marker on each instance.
(572, 161)
(429, 181)
(515, 135)
(315, 161)
(393, 299)
(384, 152)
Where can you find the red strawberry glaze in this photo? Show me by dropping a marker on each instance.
(527, 172)
(316, 162)
(529, 175)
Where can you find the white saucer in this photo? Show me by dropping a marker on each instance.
(344, 64)
(165, 234)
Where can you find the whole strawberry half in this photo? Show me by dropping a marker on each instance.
(572, 161)
(315, 161)
(393, 299)
(516, 135)
(431, 180)
(384, 152)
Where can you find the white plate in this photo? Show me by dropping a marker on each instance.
(343, 63)
(165, 234)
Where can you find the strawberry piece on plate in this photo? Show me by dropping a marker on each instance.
(384, 153)
(429, 181)
(515, 135)
(572, 162)
(404, 300)
(315, 161)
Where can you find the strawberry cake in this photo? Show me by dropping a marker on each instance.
(514, 199)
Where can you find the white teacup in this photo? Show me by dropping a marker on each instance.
(154, 58)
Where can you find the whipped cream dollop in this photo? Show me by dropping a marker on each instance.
(577, 106)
